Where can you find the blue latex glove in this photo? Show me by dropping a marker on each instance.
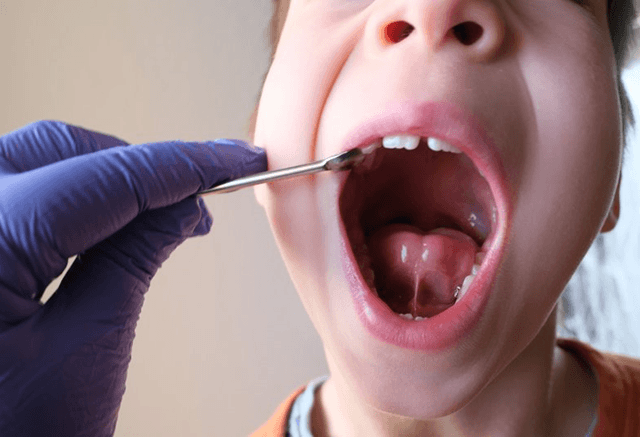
(65, 190)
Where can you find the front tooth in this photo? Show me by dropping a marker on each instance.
(475, 269)
(438, 145)
(409, 142)
(407, 316)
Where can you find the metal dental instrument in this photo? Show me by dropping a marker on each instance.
(341, 161)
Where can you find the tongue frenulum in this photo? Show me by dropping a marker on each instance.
(416, 272)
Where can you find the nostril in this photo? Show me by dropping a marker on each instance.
(468, 32)
(397, 31)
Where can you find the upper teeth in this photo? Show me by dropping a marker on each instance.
(410, 142)
(440, 145)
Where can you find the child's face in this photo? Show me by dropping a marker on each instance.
(527, 90)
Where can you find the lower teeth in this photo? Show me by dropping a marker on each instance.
(410, 317)
(465, 285)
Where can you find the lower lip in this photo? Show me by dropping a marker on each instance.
(437, 333)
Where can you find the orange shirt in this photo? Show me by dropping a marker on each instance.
(618, 403)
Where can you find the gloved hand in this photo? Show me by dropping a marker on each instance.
(65, 190)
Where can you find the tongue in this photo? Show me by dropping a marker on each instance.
(417, 273)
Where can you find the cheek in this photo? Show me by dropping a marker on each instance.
(568, 180)
(314, 45)
(579, 149)
(313, 48)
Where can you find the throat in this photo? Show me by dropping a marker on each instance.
(420, 273)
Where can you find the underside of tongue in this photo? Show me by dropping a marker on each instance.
(416, 272)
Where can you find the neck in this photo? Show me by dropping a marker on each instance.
(554, 393)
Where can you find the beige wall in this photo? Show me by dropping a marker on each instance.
(222, 338)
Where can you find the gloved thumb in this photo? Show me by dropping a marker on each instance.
(143, 245)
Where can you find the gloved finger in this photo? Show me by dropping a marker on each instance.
(135, 253)
(204, 226)
(68, 206)
(44, 142)
(67, 363)
(129, 259)
(86, 198)
(143, 245)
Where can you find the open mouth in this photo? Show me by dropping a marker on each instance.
(420, 219)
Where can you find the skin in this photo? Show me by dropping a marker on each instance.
(542, 80)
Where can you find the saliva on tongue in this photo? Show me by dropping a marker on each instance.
(417, 272)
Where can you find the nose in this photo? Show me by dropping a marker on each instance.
(475, 28)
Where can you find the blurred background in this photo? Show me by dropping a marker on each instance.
(222, 338)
